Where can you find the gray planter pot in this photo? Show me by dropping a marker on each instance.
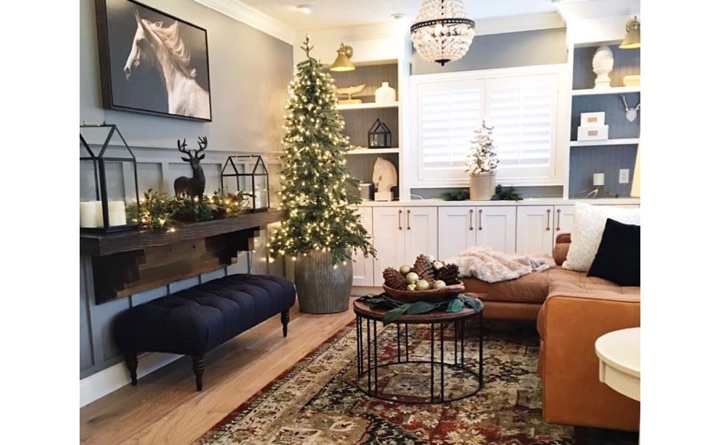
(322, 288)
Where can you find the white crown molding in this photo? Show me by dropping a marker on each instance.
(572, 10)
(501, 25)
(252, 17)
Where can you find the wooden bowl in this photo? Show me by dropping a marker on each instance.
(431, 296)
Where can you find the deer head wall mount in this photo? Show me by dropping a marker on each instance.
(630, 113)
(194, 186)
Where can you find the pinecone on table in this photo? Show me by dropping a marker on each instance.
(448, 273)
(394, 279)
(424, 268)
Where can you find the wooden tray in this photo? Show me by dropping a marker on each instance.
(431, 296)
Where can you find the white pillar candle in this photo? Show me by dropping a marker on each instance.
(98, 212)
(598, 178)
(116, 213)
(88, 214)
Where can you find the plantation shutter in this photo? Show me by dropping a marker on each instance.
(522, 112)
(521, 109)
(448, 115)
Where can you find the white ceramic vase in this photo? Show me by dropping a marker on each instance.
(602, 63)
(482, 186)
(385, 94)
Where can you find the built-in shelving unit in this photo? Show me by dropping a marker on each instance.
(359, 118)
(619, 151)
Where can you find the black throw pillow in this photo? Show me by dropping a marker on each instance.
(618, 256)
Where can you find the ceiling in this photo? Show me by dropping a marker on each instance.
(332, 14)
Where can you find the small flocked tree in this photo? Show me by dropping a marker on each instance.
(314, 178)
(483, 156)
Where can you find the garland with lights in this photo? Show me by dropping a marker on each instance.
(314, 178)
(160, 211)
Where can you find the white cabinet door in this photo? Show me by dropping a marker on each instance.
(564, 217)
(535, 230)
(495, 227)
(388, 238)
(363, 267)
(456, 230)
(401, 234)
(421, 233)
(463, 227)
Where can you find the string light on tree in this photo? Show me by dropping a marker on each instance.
(314, 178)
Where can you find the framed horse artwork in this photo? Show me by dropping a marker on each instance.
(152, 62)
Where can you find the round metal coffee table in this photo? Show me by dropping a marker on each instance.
(440, 364)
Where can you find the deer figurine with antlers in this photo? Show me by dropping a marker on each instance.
(194, 186)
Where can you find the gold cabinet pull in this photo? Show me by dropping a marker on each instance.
(557, 227)
(399, 219)
(548, 222)
(408, 219)
(471, 219)
(480, 219)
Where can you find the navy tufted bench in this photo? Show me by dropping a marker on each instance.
(195, 320)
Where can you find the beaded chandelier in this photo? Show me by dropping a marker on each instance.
(442, 31)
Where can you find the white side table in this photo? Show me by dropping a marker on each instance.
(619, 354)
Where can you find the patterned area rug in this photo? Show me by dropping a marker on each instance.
(318, 402)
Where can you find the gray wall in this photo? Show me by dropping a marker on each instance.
(508, 50)
(249, 74)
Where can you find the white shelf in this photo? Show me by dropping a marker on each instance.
(625, 141)
(375, 151)
(367, 106)
(611, 90)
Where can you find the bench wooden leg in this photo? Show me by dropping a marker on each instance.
(285, 318)
(198, 369)
(131, 361)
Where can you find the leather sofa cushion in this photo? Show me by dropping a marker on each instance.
(532, 288)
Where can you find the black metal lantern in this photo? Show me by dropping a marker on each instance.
(379, 135)
(108, 181)
(248, 175)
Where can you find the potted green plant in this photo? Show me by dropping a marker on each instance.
(482, 163)
(322, 228)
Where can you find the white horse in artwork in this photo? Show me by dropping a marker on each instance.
(384, 175)
(166, 51)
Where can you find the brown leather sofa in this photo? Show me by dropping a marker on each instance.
(572, 310)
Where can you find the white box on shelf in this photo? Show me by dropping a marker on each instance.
(590, 119)
(592, 133)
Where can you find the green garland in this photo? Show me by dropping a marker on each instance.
(159, 211)
(397, 308)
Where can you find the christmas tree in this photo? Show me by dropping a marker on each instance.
(314, 178)
(482, 157)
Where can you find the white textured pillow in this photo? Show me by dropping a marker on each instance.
(588, 228)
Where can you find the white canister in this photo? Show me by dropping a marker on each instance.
(385, 94)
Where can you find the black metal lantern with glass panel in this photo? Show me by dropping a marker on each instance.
(379, 135)
(108, 181)
(247, 174)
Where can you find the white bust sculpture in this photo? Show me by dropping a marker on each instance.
(384, 175)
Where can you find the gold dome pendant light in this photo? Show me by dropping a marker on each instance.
(342, 62)
(632, 38)
(443, 31)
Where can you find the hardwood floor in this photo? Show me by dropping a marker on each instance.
(164, 407)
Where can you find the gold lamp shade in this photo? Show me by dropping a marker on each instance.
(342, 62)
(632, 39)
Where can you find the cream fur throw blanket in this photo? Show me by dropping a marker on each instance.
(491, 266)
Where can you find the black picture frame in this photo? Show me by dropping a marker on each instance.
(139, 87)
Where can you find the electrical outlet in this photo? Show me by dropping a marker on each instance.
(624, 176)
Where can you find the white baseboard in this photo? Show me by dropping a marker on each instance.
(115, 377)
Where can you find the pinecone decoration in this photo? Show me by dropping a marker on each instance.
(424, 268)
(394, 279)
(448, 273)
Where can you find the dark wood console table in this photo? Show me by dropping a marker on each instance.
(130, 262)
